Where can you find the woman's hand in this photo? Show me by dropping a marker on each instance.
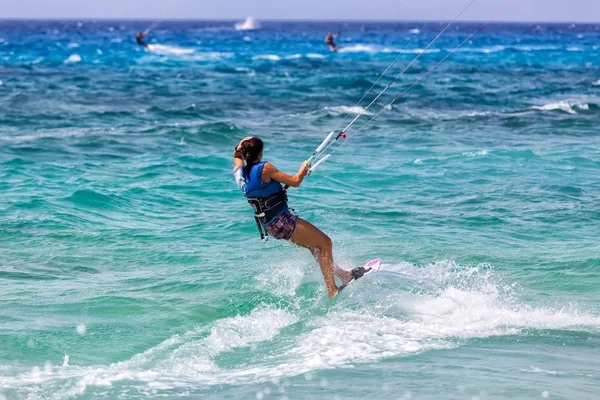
(237, 154)
(304, 168)
(239, 146)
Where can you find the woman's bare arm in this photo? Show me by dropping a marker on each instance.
(238, 161)
(270, 172)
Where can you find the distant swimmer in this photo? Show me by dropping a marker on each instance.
(261, 184)
(139, 38)
(329, 40)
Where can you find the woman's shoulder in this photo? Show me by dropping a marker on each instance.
(268, 166)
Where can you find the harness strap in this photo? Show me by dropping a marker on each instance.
(264, 235)
(266, 209)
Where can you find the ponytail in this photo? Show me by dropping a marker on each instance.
(250, 151)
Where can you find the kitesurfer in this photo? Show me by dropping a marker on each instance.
(333, 47)
(139, 38)
(262, 183)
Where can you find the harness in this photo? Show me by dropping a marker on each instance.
(267, 208)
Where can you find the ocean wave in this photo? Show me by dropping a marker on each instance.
(444, 305)
(597, 83)
(208, 56)
(373, 49)
(359, 48)
(410, 51)
(270, 57)
(169, 50)
(475, 153)
(568, 107)
(297, 56)
(501, 48)
(356, 110)
(72, 59)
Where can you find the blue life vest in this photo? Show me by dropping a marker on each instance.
(269, 200)
(254, 184)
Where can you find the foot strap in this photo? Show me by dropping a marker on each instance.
(357, 273)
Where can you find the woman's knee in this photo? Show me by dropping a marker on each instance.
(325, 242)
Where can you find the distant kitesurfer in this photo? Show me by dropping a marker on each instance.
(333, 47)
(139, 38)
(262, 184)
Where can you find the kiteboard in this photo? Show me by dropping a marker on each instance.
(357, 273)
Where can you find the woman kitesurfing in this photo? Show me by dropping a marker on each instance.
(262, 183)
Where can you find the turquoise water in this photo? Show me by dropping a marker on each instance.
(131, 267)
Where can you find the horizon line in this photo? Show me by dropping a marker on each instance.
(111, 19)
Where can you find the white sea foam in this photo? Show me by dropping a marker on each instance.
(410, 51)
(363, 48)
(73, 45)
(283, 280)
(500, 48)
(359, 48)
(346, 109)
(315, 56)
(486, 50)
(81, 329)
(270, 57)
(537, 370)
(73, 58)
(1, 83)
(169, 50)
(415, 30)
(476, 153)
(208, 56)
(449, 305)
(597, 83)
(568, 107)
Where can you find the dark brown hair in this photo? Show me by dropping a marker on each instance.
(250, 150)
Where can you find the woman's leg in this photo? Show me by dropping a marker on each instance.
(319, 244)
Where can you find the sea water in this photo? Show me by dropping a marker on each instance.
(131, 266)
